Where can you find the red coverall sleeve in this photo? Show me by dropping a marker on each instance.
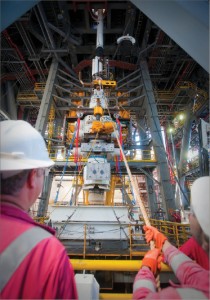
(192, 278)
(144, 287)
(144, 284)
(187, 271)
(66, 288)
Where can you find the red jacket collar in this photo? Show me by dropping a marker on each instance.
(17, 213)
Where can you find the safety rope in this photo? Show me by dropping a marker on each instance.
(120, 136)
(133, 181)
(134, 185)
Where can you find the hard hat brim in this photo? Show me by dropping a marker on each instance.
(23, 164)
(200, 202)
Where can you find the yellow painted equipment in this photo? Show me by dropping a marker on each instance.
(110, 83)
(124, 114)
(97, 126)
(108, 127)
(71, 114)
(98, 110)
(111, 265)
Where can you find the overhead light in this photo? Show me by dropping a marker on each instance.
(126, 38)
(181, 117)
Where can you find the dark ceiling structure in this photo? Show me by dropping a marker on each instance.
(66, 31)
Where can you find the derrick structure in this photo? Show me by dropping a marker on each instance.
(100, 194)
(83, 106)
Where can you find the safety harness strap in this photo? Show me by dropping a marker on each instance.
(15, 253)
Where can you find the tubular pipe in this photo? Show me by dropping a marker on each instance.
(111, 265)
(100, 38)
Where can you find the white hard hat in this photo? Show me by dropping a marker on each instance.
(21, 148)
(200, 201)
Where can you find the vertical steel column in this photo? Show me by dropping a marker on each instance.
(176, 156)
(45, 195)
(143, 137)
(86, 198)
(11, 105)
(204, 160)
(186, 131)
(166, 189)
(152, 201)
(110, 193)
(183, 156)
(42, 118)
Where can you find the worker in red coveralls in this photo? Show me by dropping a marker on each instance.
(193, 279)
(33, 263)
(176, 216)
(192, 249)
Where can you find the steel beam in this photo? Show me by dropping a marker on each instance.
(185, 22)
(167, 192)
(152, 201)
(183, 156)
(42, 118)
(45, 195)
(11, 103)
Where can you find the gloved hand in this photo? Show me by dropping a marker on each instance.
(152, 259)
(151, 233)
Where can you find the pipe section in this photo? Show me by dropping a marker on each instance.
(111, 265)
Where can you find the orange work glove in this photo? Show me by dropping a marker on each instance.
(152, 259)
(151, 233)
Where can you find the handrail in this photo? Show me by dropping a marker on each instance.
(111, 265)
(177, 233)
(145, 155)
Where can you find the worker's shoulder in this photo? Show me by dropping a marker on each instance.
(46, 241)
(43, 233)
(192, 243)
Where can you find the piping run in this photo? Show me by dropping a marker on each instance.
(111, 265)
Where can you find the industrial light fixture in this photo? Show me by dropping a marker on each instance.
(98, 246)
(95, 245)
(181, 117)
